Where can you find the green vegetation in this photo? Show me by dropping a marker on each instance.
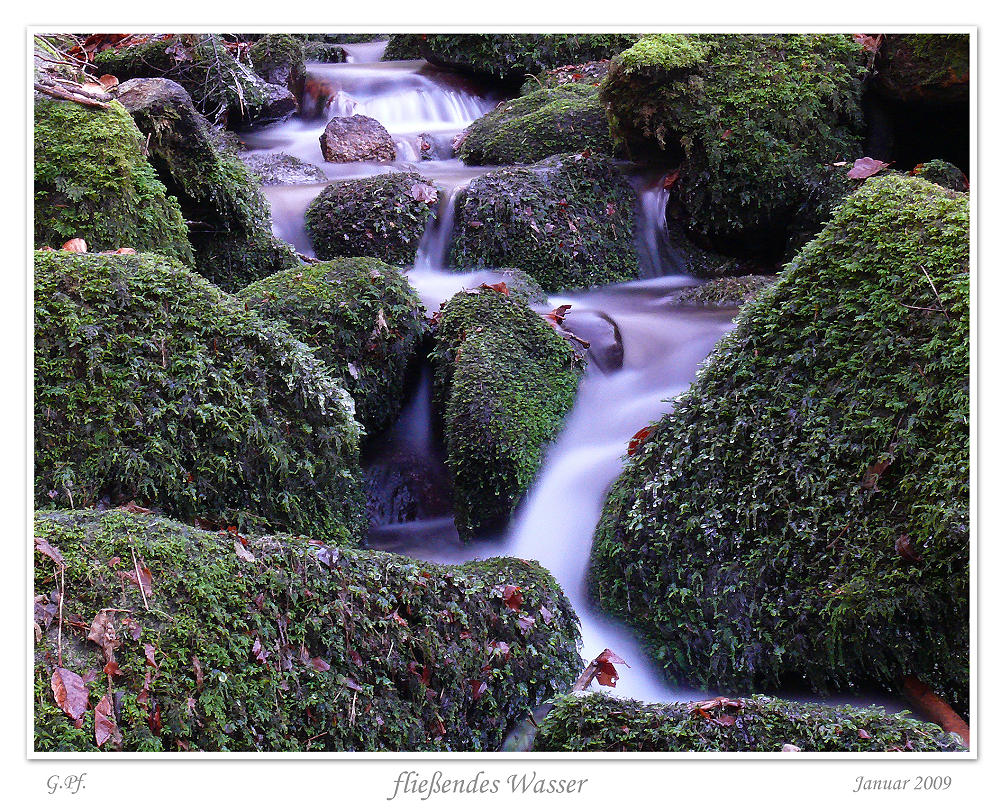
(507, 57)
(360, 316)
(280, 60)
(230, 218)
(305, 647)
(597, 722)
(754, 120)
(567, 221)
(92, 181)
(223, 88)
(504, 381)
(930, 68)
(802, 514)
(943, 174)
(730, 291)
(152, 384)
(381, 216)
(544, 122)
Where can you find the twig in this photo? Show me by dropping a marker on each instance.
(935, 708)
(138, 579)
(937, 296)
(60, 570)
(57, 93)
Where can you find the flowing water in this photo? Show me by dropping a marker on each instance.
(644, 348)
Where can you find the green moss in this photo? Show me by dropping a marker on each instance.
(504, 381)
(597, 722)
(280, 60)
(943, 174)
(585, 74)
(363, 320)
(752, 539)
(506, 57)
(755, 119)
(930, 68)
(377, 217)
(152, 384)
(316, 51)
(733, 291)
(92, 181)
(223, 88)
(406, 642)
(542, 123)
(230, 218)
(567, 221)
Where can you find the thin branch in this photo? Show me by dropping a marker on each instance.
(937, 296)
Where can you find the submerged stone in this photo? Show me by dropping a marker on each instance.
(153, 385)
(280, 643)
(802, 513)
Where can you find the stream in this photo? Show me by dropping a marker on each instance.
(647, 349)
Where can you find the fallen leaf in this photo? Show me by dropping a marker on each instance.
(790, 748)
(108, 81)
(545, 613)
(128, 251)
(512, 597)
(112, 669)
(905, 548)
(132, 507)
(145, 579)
(45, 610)
(155, 724)
(499, 287)
(150, 655)
(260, 654)
(478, 688)
(868, 42)
(105, 724)
(43, 546)
(526, 623)
(103, 633)
(77, 245)
(637, 439)
(558, 315)
(865, 168)
(671, 178)
(863, 734)
(606, 672)
(199, 675)
(242, 551)
(424, 192)
(725, 720)
(70, 693)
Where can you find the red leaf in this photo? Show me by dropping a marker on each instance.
(725, 720)
(199, 675)
(499, 287)
(112, 669)
(478, 688)
(637, 438)
(671, 178)
(132, 507)
(905, 548)
(319, 664)
(606, 674)
(105, 724)
(865, 168)
(868, 42)
(155, 724)
(558, 315)
(43, 546)
(76, 246)
(512, 597)
(70, 693)
(608, 656)
(398, 618)
(150, 655)
(863, 734)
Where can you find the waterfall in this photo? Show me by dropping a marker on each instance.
(651, 236)
(432, 254)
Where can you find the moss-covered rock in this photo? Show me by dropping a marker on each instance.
(597, 722)
(230, 220)
(360, 316)
(943, 174)
(542, 123)
(924, 68)
(586, 73)
(803, 512)
(305, 647)
(506, 57)
(280, 60)
(152, 384)
(223, 88)
(503, 382)
(318, 51)
(755, 119)
(92, 181)
(567, 221)
(732, 291)
(382, 216)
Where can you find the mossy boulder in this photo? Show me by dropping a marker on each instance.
(360, 316)
(153, 385)
(306, 646)
(924, 68)
(754, 119)
(506, 57)
(802, 515)
(567, 221)
(503, 381)
(382, 216)
(597, 722)
(318, 51)
(93, 181)
(223, 88)
(542, 123)
(731, 291)
(230, 220)
(943, 174)
(280, 60)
